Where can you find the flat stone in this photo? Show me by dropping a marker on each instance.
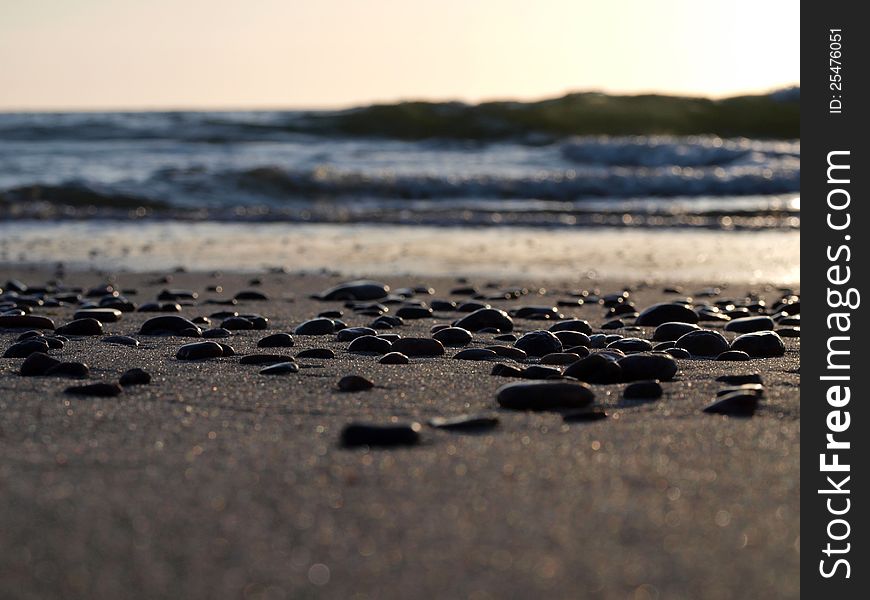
(85, 326)
(650, 365)
(37, 363)
(216, 333)
(360, 289)
(465, 422)
(540, 372)
(354, 383)
(666, 312)
(168, 325)
(560, 358)
(237, 324)
(631, 345)
(704, 342)
(750, 324)
(250, 296)
(539, 343)
(26, 348)
(418, 347)
(613, 324)
(501, 370)
(595, 368)
(573, 338)
(484, 318)
(121, 340)
(321, 353)
(351, 333)
(475, 354)
(170, 307)
(394, 358)
(319, 326)
(282, 368)
(643, 390)
(75, 370)
(276, 340)
(103, 315)
(761, 344)
(199, 351)
(544, 395)
(735, 404)
(733, 355)
(135, 376)
(572, 325)
(733, 379)
(393, 434)
(453, 336)
(678, 353)
(370, 344)
(584, 415)
(414, 312)
(25, 322)
(100, 389)
(509, 352)
(671, 332)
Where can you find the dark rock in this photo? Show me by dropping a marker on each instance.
(664, 312)
(506, 337)
(580, 351)
(418, 347)
(671, 332)
(101, 389)
(414, 312)
(740, 379)
(121, 340)
(704, 342)
(541, 372)
(167, 325)
(216, 333)
(37, 364)
(259, 322)
(662, 346)
(160, 307)
(545, 395)
(370, 344)
(484, 318)
(135, 376)
(199, 351)
(750, 324)
(643, 390)
(614, 324)
(453, 336)
(360, 289)
(177, 295)
(539, 343)
(393, 434)
(573, 338)
(560, 358)
(536, 312)
(761, 344)
(652, 365)
(264, 359)
(595, 368)
(26, 348)
(69, 369)
(321, 353)
(747, 388)
(678, 353)
(276, 340)
(330, 314)
(736, 404)
(318, 326)
(475, 354)
(354, 383)
(465, 422)
(237, 324)
(351, 333)
(572, 325)
(86, 326)
(630, 345)
(791, 332)
(733, 355)
(103, 315)
(387, 322)
(584, 415)
(501, 370)
(442, 305)
(250, 295)
(394, 358)
(282, 368)
(228, 350)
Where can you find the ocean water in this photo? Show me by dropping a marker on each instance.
(292, 166)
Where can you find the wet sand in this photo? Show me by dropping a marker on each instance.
(216, 482)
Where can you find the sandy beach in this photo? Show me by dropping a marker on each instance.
(215, 481)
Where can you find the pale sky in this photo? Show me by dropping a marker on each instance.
(139, 54)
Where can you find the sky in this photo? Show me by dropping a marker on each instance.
(149, 54)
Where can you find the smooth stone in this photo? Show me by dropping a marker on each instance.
(199, 351)
(573, 338)
(662, 346)
(539, 343)
(216, 333)
(736, 404)
(370, 344)
(26, 348)
(465, 422)
(387, 322)
(86, 326)
(250, 296)
(741, 379)
(580, 351)
(572, 325)
(135, 376)
(318, 326)
(704, 342)
(643, 390)
(560, 358)
(640, 366)
(330, 314)
(541, 372)
(360, 289)
(414, 312)
(103, 315)
(584, 415)
(791, 332)
(453, 336)
(505, 337)
(598, 340)
(750, 324)
(536, 312)
(167, 325)
(228, 350)
(501, 370)
(418, 347)
(666, 312)
(354, 383)
(160, 307)
(259, 322)
(276, 340)
(25, 322)
(595, 368)
(37, 364)
(69, 369)
(443, 305)
(393, 434)
(390, 337)
(630, 345)
(614, 324)
(544, 395)
(484, 318)
(761, 344)
(237, 324)
(121, 340)
(748, 388)
(352, 333)
(438, 327)
(394, 358)
(734, 355)
(678, 353)
(282, 368)
(671, 332)
(177, 295)
(264, 359)
(322, 353)
(30, 334)
(475, 354)
(101, 389)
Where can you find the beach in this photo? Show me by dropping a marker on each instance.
(214, 480)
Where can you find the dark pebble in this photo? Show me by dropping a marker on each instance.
(631, 345)
(121, 340)
(484, 318)
(387, 322)
(573, 338)
(276, 340)
(595, 368)
(259, 322)
(414, 312)
(69, 369)
(442, 305)
(282, 368)
(37, 364)
(545, 395)
(331, 314)
(370, 344)
(643, 390)
(168, 307)
(354, 383)
(678, 353)
(322, 353)
(394, 358)
(740, 379)
(475, 354)
(394, 434)
(584, 415)
(264, 359)
(572, 325)
(216, 333)
(135, 376)
(747, 388)
(26, 348)
(734, 355)
(580, 351)
(671, 332)
(418, 347)
(25, 322)
(103, 315)
(168, 325)
(453, 336)
(465, 422)
(750, 324)
(541, 372)
(662, 346)
(250, 295)
(501, 370)
(761, 344)
(664, 312)
(560, 358)
(356, 290)
(506, 337)
(791, 332)
(614, 324)
(86, 326)
(636, 367)
(199, 351)
(351, 333)
(95, 389)
(737, 404)
(539, 343)
(237, 324)
(704, 342)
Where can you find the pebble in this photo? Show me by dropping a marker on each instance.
(319, 326)
(453, 336)
(537, 312)
(541, 372)
(733, 355)
(613, 324)
(630, 345)
(545, 395)
(393, 434)
(199, 351)
(501, 370)
(282, 368)
(595, 368)
(26, 348)
(95, 389)
(662, 346)
(643, 390)
(86, 326)
(737, 404)
(581, 351)
(443, 305)
(387, 322)
(678, 353)
(671, 331)
(465, 422)
(666, 312)
(370, 344)
(237, 324)
(25, 322)
(484, 318)
(394, 358)
(322, 353)
(360, 289)
(354, 383)
(121, 340)
(135, 376)
(258, 321)
(572, 325)
(651, 365)
(169, 325)
(228, 350)
(216, 333)
(160, 307)
(704, 342)
(331, 314)
(505, 337)
(475, 354)
(351, 333)
(264, 359)
(748, 388)
(103, 315)
(414, 312)
(573, 338)
(250, 295)
(750, 324)
(418, 347)
(761, 344)
(37, 364)
(276, 340)
(584, 415)
(69, 369)
(791, 332)
(740, 379)
(539, 343)
(560, 358)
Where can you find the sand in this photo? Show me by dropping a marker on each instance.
(216, 482)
